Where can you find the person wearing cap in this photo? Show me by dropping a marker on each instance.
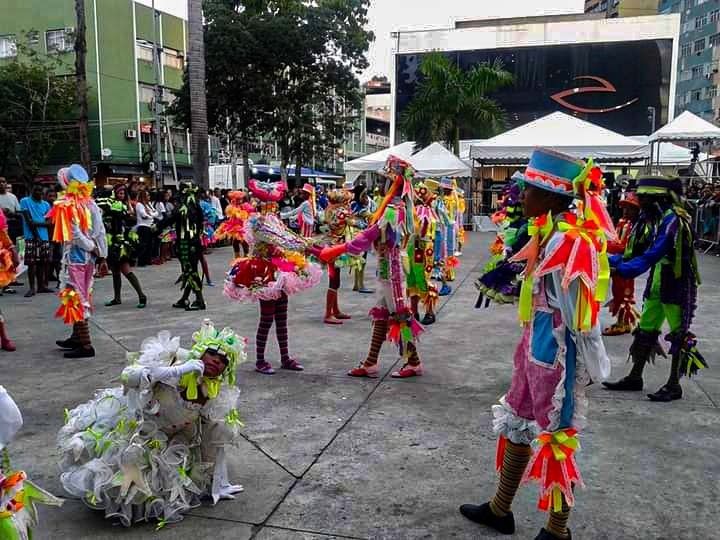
(306, 213)
(622, 305)
(78, 224)
(561, 350)
(671, 291)
(390, 229)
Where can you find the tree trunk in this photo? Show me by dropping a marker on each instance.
(246, 162)
(81, 79)
(196, 78)
(456, 140)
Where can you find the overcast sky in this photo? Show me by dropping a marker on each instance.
(389, 15)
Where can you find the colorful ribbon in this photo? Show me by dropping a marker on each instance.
(71, 309)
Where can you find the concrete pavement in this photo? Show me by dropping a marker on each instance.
(326, 456)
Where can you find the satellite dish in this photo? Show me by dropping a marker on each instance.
(106, 152)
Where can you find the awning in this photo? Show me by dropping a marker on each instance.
(687, 127)
(436, 161)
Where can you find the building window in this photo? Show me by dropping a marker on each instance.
(685, 75)
(173, 59)
(146, 93)
(169, 96)
(699, 45)
(710, 92)
(715, 15)
(59, 40)
(8, 47)
(696, 95)
(698, 72)
(685, 50)
(144, 51)
(179, 140)
(714, 40)
(33, 37)
(701, 21)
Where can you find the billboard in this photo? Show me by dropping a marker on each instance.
(612, 84)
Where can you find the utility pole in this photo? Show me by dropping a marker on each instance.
(157, 108)
(81, 84)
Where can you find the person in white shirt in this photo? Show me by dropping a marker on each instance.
(145, 215)
(8, 201)
(215, 202)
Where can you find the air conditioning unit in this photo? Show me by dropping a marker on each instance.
(130, 134)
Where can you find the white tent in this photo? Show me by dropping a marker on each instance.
(436, 161)
(687, 127)
(670, 153)
(376, 161)
(564, 133)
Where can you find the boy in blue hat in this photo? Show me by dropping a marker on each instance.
(561, 350)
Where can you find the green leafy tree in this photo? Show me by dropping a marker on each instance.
(285, 69)
(38, 113)
(450, 101)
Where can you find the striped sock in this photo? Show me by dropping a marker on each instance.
(515, 460)
(281, 329)
(558, 521)
(267, 313)
(83, 334)
(413, 358)
(379, 334)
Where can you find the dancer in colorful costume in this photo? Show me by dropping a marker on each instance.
(9, 261)
(188, 220)
(390, 231)
(561, 350)
(421, 256)
(18, 495)
(500, 281)
(443, 232)
(306, 213)
(671, 291)
(448, 188)
(275, 269)
(622, 304)
(233, 228)
(341, 228)
(119, 219)
(362, 208)
(78, 225)
(151, 448)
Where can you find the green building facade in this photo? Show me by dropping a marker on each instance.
(120, 77)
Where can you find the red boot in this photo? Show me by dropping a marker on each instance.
(330, 303)
(6, 344)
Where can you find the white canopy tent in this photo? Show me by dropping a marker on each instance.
(376, 161)
(564, 133)
(436, 161)
(686, 127)
(670, 153)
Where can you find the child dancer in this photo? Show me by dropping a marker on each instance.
(275, 269)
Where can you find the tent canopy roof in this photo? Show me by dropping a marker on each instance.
(564, 133)
(376, 161)
(687, 127)
(670, 153)
(436, 161)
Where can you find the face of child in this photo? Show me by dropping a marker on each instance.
(533, 202)
(215, 364)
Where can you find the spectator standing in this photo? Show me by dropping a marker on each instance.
(8, 201)
(215, 202)
(145, 215)
(33, 210)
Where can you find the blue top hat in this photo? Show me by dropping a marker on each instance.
(552, 171)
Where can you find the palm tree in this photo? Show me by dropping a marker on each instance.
(449, 101)
(196, 79)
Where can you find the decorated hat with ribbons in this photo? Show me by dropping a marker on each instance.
(551, 171)
(658, 185)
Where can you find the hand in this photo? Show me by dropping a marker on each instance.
(314, 251)
(102, 266)
(192, 366)
(227, 492)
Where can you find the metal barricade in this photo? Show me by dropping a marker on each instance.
(706, 224)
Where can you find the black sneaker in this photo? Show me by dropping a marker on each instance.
(69, 343)
(81, 352)
(547, 535)
(483, 515)
(428, 319)
(196, 306)
(669, 392)
(180, 304)
(626, 384)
